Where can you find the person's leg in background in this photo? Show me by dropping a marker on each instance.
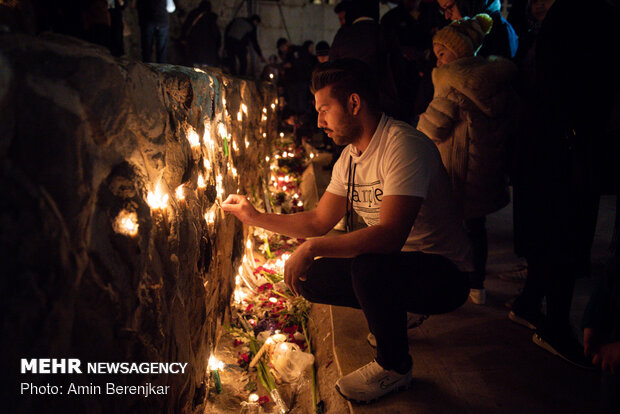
(147, 32)
(161, 46)
(477, 234)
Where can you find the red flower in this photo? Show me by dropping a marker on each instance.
(243, 359)
(237, 342)
(263, 400)
(249, 307)
(290, 329)
(265, 286)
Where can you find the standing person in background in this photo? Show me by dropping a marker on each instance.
(341, 11)
(154, 25)
(96, 22)
(202, 36)
(502, 41)
(322, 51)
(470, 119)
(117, 42)
(413, 23)
(576, 80)
(240, 33)
(364, 39)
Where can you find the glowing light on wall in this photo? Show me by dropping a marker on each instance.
(193, 138)
(157, 199)
(126, 223)
(179, 193)
(201, 181)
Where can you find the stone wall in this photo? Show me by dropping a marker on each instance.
(91, 270)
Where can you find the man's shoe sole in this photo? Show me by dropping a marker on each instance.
(521, 321)
(536, 338)
(401, 388)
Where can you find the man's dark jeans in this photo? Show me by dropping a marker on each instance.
(386, 287)
(150, 32)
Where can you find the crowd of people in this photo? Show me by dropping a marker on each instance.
(433, 111)
(441, 106)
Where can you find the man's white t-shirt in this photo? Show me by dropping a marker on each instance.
(401, 160)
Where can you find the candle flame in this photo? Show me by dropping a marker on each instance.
(223, 101)
(267, 158)
(192, 137)
(244, 108)
(273, 106)
(235, 146)
(201, 181)
(247, 143)
(210, 217)
(253, 397)
(221, 129)
(199, 70)
(179, 193)
(218, 186)
(207, 136)
(264, 109)
(273, 300)
(248, 244)
(271, 76)
(281, 134)
(157, 199)
(264, 135)
(126, 223)
(239, 116)
(207, 164)
(215, 364)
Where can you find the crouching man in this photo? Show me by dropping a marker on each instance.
(413, 256)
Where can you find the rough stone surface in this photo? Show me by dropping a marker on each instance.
(84, 138)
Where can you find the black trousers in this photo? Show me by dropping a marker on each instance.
(386, 287)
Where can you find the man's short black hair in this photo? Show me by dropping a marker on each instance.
(347, 76)
(281, 41)
(322, 48)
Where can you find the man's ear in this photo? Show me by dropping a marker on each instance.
(355, 103)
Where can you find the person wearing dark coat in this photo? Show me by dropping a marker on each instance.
(117, 42)
(239, 34)
(502, 41)
(154, 25)
(365, 40)
(562, 173)
(202, 36)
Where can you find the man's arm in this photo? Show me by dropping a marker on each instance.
(397, 216)
(311, 223)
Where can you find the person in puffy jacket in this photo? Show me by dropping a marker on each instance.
(473, 112)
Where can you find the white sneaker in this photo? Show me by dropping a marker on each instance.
(413, 321)
(371, 382)
(478, 296)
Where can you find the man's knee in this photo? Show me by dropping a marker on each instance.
(364, 269)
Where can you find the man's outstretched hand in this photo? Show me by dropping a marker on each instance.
(241, 208)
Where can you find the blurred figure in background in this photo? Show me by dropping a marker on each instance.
(154, 27)
(502, 41)
(322, 51)
(239, 34)
(202, 36)
(117, 41)
(470, 119)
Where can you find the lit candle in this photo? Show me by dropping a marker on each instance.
(193, 138)
(261, 351)
(273, 106)
(214, 366)
(201, 181)
(239, 116)
(179, 193)
(157, 200)
(244, 108)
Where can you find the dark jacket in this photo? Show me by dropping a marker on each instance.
(153, 11)
(202, 36)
